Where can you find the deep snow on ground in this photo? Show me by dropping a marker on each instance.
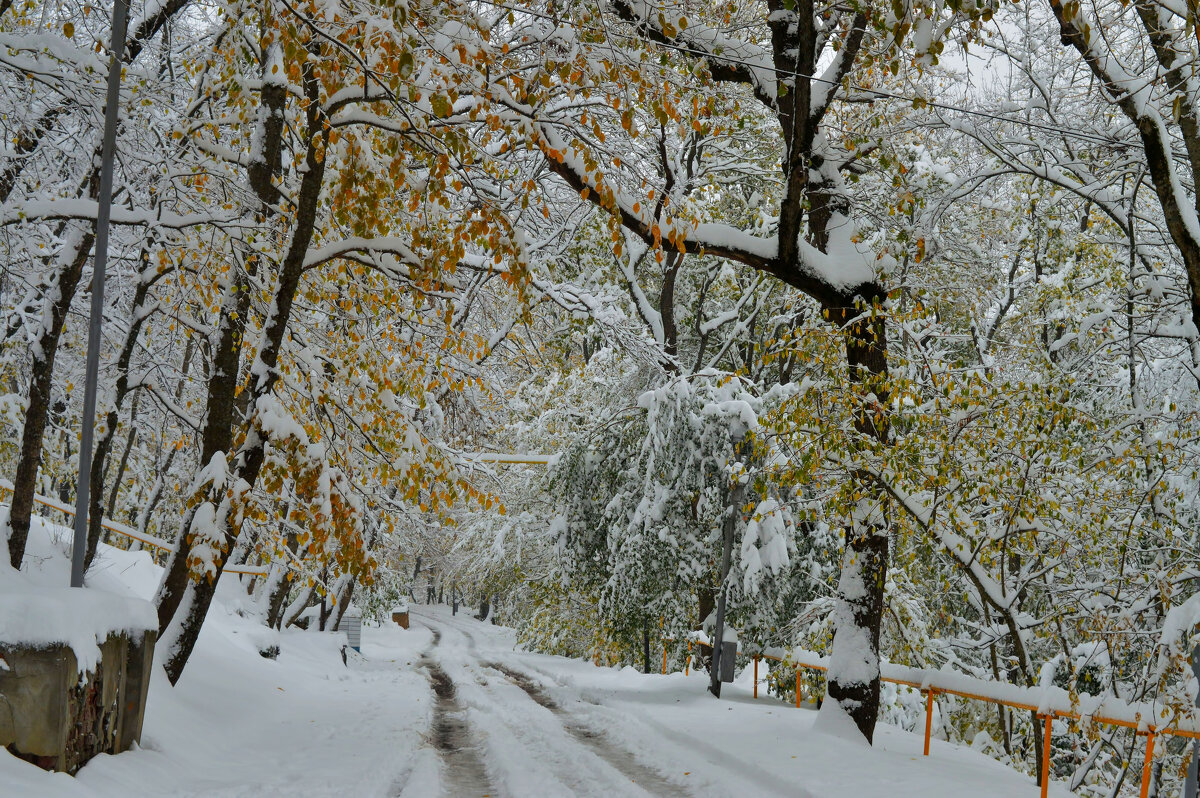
(500, 722)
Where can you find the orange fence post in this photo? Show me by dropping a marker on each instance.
(661, 619)
(1046, 755)
(1149, 761)
(928, 718)
(797, 688)
(756, 676)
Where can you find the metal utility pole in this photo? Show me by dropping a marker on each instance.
(1190, 789)
(727, 531)
(95, 322)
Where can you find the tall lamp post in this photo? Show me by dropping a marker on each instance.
(1190, 786)
(727, 531)
(112, 100)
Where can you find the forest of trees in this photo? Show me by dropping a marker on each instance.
(905, 294)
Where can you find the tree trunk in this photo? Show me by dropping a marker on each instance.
(110, 508)
(279, 584)
(645, 645)
(344, 595)
(301, 603)
(276, 593)
(59, 293)
(198, 594)
(706, 604)
(64, 284)
(104, 445)
(217, 433)
(323, 614)
(853, 676)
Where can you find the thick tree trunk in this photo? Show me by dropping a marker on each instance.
(216, 436)
(853, 677)
(854, 665)
(276, 593)
(182, 632)
(217, 433)
(59, 293)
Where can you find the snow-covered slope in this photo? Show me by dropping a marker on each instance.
(500, 722)
(239, 724)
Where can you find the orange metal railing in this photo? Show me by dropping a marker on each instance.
(1047, 715)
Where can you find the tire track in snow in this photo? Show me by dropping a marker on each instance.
(463, 771)
(459, 627)
(526, 748)
(642, 729)
(567, 757)
(621, 759)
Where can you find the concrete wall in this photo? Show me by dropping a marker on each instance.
(57, 718)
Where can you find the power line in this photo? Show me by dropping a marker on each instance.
(879, 93)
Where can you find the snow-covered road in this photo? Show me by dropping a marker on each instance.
(452, 708)
(524, 724)
(500, 733)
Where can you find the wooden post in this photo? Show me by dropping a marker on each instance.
(797, 688)
(687, 666)
(1046, 755)
(1149, 761)
(756, 676)
(928, 718)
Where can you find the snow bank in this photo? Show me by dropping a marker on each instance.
(833, 720)
(237, 723)
(39, 609)
(37, 616)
